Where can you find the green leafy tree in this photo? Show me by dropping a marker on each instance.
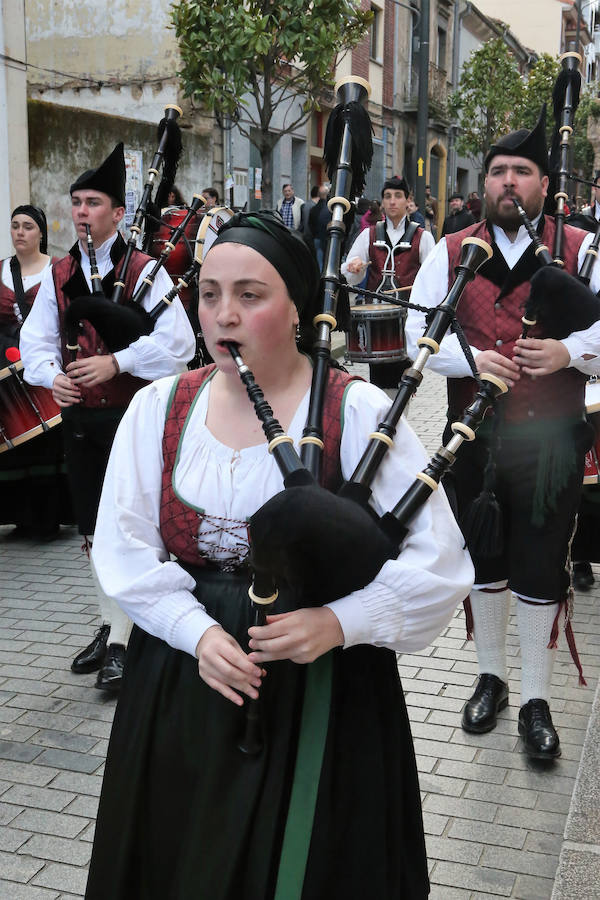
(489, 90)
(264, 56)
(537, 90)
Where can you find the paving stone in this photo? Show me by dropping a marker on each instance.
(15, 731)
(501, 794)
(26, 773)
(12, 838)
(526, 863)
(466, 852)
(42, 798)
(62, 877)
(95, 728)
(83, 805)
(91, 711)
(528, 887)
(42, 821)
(11, 891)
(434, 824)
(488, 833)
(8, 812)
(471, 771)
(69, 760)
(20, 752)
(36, 702)
(539, 842)
(78, 783)
(464, 809)
(43, 688)
(56, 650)
(578, 870)
(534, 820)
(444, 892)
(16, 868)
(442, 750)
(494, 881)
(61, 740)
(437, 784)
(541, 781)
(57, 849)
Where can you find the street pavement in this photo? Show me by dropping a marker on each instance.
(494, 820)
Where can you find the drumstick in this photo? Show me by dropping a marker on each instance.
(407, 287)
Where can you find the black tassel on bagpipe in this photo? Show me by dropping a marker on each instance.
(355, 116)
(171, 156)
(482, 522)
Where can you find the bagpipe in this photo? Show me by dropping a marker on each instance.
(119, 321)
(550, 285)
(295, 535)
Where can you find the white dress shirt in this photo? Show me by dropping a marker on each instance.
(406, 606)
(163, 352)
(431, 286)
(360, 247)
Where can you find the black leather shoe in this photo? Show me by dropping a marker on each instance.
(583, 577)
(111, 673)
(481, 711)
(90, 659)
(537, 731)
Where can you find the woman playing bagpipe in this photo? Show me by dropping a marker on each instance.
(33, 489)
(329, 808)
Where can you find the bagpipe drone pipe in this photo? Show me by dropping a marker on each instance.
(296, 534)
(558, 302)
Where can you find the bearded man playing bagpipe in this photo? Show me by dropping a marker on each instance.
(518, 485)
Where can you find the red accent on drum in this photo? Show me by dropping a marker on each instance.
(376, 333)
(13, 354)
(180, 258)
(25, 411)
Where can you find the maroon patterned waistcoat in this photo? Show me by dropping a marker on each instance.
(179, 523)
(8, 299)
(490, 311)
(406, 262)
(69, 282)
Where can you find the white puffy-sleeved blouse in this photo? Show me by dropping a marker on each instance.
(405, 607)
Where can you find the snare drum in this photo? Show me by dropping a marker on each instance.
(25, 411)
(209, 228)
(376, 333)
(180, 258)
(591, 473)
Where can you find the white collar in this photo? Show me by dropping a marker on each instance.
(102, 252)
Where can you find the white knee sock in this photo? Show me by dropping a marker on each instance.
(537, 661)
(112, 614)
(490, 621)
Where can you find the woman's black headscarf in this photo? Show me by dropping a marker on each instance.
(38, 216)
(265, 232)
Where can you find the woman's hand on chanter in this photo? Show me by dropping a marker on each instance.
(302, 635)
(225, 667)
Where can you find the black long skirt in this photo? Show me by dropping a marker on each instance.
(329, 809)
(34, 491)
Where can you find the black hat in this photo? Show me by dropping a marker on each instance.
(529, 144)
(109, 177)
(456, 196)
(395, 183)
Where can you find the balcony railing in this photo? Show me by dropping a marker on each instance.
(438, 90)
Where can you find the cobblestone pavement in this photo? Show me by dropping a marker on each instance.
(494, 820)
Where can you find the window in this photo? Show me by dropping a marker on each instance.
(441, 47)
(375, 33)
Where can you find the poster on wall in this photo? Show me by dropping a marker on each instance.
(134, 186)
(258, 184)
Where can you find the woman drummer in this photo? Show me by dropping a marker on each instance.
(326, 812)
(33, 492)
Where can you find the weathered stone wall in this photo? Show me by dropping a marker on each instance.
(64, 142)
